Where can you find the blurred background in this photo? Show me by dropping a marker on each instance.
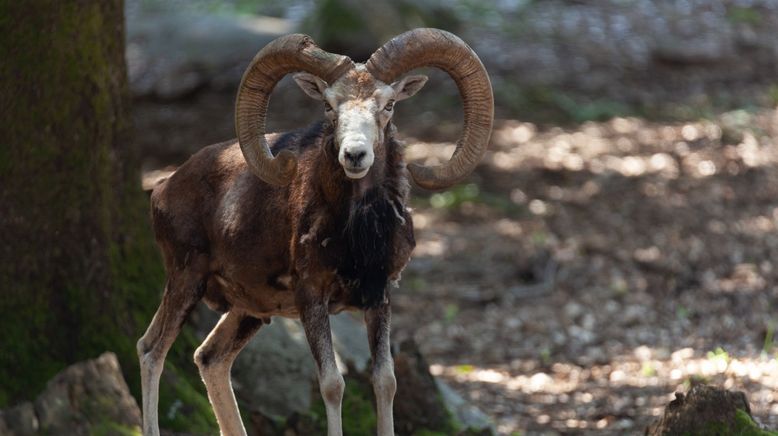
(615, 246)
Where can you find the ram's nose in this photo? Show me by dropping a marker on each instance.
(354, 158)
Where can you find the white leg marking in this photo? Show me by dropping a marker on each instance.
(384, 383)
(214, 358)
(316, 322)
(385, 386)
(155, 343)
(150, 372)
(331, 386)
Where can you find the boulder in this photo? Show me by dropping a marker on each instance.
(176, 48)
(274, 378)
(86, 398)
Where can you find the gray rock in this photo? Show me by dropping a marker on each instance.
(469, 416)
(173, 50)
(275, 377)
(86, 398)
(19, 420)
(349, 337)
(275, 373)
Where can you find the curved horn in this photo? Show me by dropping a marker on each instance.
(277, 59)
(444, 50)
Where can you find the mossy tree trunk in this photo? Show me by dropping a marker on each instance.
(79, 273)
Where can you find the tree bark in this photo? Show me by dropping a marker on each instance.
(79, 273)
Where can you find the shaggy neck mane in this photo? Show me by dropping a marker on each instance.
(369, 211)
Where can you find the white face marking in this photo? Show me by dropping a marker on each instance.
(359, 114)
(359, 125)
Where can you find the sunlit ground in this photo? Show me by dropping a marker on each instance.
(569, 386)
(584, 275)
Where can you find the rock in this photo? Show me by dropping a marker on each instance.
(86, 398)
(349, 338)
(469, 416)
(707, 410)
(275, 379)
(19, 420)
(275, 373)
(174, 48)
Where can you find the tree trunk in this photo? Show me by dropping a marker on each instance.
(79, 273)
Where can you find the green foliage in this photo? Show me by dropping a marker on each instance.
(464, 369)
(769, 337)
(744, 15)
(545, 356)
(459, 195)
(114, 429)
(184, 407)
(416, 283)
(648, 370)
(591, 110)
(545, 104)
(619, 286)
(450, 313)
(695, 379)
(718, 354)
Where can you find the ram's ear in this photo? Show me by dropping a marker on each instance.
(311, 85)
(408, 86)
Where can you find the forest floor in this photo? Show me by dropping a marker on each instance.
(584, 274)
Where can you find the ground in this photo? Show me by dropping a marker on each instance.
(583, 274)
(588, 273)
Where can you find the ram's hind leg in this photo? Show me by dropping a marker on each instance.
(182, 292)
(214, 358)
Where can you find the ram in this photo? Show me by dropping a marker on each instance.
(319, 228)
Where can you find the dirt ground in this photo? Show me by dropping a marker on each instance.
(586, 274)
(582, 275)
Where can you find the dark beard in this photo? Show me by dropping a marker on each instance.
(370, 228)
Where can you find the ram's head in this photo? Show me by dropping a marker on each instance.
(359, 107)
(359, 101)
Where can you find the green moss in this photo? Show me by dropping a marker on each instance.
(745, 426)
(358, 410)
(114, 429)
(183, 407)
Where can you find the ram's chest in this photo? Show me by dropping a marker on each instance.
(353, 251)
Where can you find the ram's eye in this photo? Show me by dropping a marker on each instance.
(389, 106)
(327, 107)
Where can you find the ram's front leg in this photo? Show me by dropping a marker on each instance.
(384, 384)
(314, 315)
